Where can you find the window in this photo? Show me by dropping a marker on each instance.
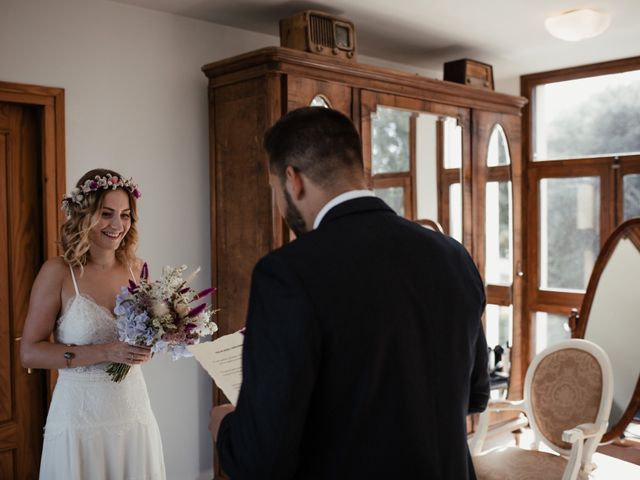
(582, 130)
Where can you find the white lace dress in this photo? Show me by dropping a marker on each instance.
(96, 428)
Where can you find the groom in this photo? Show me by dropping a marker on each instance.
(364, 349)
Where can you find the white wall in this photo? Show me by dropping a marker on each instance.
(136, 101)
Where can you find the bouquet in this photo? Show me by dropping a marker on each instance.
(158, 315)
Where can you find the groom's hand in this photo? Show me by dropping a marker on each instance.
(217, 414)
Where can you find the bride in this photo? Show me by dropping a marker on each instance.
(95, 428)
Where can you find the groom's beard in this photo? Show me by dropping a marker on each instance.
(293, 217)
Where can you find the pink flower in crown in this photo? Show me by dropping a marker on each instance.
(109, 181)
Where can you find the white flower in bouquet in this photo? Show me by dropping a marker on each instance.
(158, 315)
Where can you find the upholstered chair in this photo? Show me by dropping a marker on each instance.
(567, 398)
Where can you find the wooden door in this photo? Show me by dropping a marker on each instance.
(22, 395)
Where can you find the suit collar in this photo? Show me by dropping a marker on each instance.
(354, 206)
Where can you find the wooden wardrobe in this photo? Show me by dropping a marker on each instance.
(250, 92)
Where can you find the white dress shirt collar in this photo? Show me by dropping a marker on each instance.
(343, 197)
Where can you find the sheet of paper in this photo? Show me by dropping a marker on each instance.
(222, 359)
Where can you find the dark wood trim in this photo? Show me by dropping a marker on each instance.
(583, 71)
(540, 299)
(285, 60)
(499, 295)
(500, 173)
(629, 229)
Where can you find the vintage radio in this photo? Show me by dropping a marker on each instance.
(469, 72)
(319, 32)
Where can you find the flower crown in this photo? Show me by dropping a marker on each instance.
(107, 182)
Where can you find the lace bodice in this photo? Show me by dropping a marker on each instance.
(84, 322)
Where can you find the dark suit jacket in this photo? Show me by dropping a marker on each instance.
(363, 354)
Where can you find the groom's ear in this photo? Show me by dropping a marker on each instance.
(295, 180)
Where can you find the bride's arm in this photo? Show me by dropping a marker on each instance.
(36, 351)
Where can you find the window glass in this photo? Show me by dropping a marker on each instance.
(320, 101)
(390, 140)
(498, 234)
(592, 116)
(631, 195)
(498, 153)
(455, 211)
(569, 231)
(452, 143)
(499, 325)
(550, 329)
(393, 196)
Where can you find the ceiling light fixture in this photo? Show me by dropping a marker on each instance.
(576, 25)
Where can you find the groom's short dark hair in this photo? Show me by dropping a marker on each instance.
(320, 142)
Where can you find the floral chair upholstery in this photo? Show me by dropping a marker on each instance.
(567, 398)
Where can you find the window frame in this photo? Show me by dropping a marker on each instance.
(609, 168)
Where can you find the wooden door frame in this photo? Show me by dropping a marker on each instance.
(53, 180)
(53, 152)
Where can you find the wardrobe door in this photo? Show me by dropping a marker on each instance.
(498, 246)
(417, 158)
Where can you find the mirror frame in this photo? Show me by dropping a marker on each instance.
(631, 230)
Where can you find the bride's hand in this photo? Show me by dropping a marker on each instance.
(121, 352)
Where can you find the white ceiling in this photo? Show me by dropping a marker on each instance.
(508, 34)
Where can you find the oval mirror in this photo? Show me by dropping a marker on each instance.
(609, 318)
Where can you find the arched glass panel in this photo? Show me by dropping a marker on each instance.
(498, 152)
(320, 101)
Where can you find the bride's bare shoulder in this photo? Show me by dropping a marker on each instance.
(54, 269)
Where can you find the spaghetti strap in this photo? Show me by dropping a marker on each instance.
(73, 277)
(133, 277)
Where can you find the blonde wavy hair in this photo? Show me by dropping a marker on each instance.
(74, 233)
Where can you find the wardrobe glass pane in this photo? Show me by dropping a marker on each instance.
(394, 196)
(499, 325)
(452, 143)
(455, 211)
(498, 234)
(498, 151)
(390, 140)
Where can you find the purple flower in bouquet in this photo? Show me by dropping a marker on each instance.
(159, 315)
